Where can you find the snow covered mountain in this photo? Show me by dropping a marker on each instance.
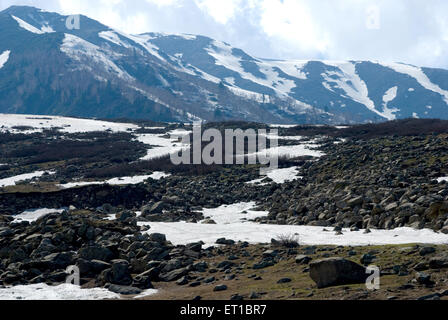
(96, 71)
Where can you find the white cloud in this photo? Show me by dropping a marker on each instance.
(292, 21)
(412, 31)
(222, 10)
(162, 3)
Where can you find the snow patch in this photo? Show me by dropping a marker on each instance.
(223, 55)
(418, 74)
(11, 181)
(279, 176)
(163, 144)
(35, 214)
(292, 68)
(76, 48)
(43, 291)
(25, 25)
(389, 96)
(4, 57)
(111, 36)
(348, 80)
(231, 224)
(65, 124)
(47, 29)
(117, 181)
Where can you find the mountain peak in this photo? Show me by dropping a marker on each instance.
(182, 77)
(16, 9)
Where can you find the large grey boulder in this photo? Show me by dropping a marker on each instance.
(336, 271)
(96, 252)
(156, 208)
(439, 262)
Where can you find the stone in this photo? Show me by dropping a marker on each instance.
(424, 278)
(157, 237)
(263, 264)
(427, 250)
(96, 252)
(182, 281)
(367, 259)
(173, 275)
(226, 265)
(58, 260)
(221, 287)
(156, 208)
(118, 274)
(434, 296)
(391, 207)
(124, 290)
(303, 259)
(336, 271)
(439, 262)
(358, 201)
(284, 280)
(224, 241)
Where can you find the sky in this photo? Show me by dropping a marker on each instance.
(409, 31)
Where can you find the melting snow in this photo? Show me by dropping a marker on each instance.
(279, 176)
(75, 48)
(117, 181)
(291, 68)
(43, 291)
(11, 181)
(389, 96)
(4, 57)
(418, 74)
(283, 125)
(231, 226)
(47, 29)
(114, 38)
(224, 57)
(162, 144)
(35, 214)
(349, 81)
(292, 151)
(68, 125)
(27, 26)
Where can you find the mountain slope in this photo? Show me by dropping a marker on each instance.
(100, 72)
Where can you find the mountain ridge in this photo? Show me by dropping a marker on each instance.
(98, 71)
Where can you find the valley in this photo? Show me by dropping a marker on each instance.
(104, 196)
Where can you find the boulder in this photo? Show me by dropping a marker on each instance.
(118, 273)
(173, 275)
(427, 250)
(336, 271)
(124, 290)
(221, 287)
(157, 237)
(96, 252)
(58, 260)
(439, 262)
(303, 259)
(224, 241)
(156, 208)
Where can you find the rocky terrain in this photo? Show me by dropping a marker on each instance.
(366, 180)
(377, 183)
(117, 255)
(98, 71)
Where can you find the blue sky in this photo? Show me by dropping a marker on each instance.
(411, 31)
